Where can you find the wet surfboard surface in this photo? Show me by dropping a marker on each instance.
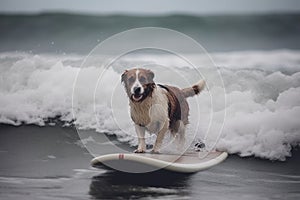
(190, 162)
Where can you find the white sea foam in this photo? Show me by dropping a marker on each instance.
(262, 91)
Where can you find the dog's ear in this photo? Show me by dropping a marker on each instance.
(124, 76)
(150, 75)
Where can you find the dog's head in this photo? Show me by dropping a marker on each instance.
(138, 83)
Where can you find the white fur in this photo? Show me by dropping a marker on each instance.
(151, 110)
(137, 83)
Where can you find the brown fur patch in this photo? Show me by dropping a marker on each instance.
(196, 89)
(178, 107)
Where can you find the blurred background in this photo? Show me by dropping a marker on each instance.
(64, 26)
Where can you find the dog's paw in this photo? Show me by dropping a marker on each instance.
(139, 151)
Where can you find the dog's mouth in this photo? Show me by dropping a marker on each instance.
(137, 97)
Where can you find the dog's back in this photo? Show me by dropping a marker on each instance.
(178, 108)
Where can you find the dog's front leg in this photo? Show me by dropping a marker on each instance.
(160, 138)
(140, 131)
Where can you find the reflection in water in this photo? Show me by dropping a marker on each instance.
(120, 185)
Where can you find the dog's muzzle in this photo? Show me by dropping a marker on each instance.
(137, 96)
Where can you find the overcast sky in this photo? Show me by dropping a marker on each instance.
(150, 6)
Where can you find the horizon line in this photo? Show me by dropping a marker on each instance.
(141, 14)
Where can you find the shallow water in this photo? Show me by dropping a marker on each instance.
(48, 163)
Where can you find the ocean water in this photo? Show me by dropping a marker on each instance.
(262, 91)
(64, 33)
(257, 57)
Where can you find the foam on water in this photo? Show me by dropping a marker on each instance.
(262, 91)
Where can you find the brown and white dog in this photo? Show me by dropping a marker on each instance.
(157, 108)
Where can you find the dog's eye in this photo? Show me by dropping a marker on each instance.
(142, 79)
(131, 80)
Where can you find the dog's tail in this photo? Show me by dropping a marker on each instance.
(194, 90)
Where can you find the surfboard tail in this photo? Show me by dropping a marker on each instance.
(194, 90)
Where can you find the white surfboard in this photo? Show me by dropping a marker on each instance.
(138, 163)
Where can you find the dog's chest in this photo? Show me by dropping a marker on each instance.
(140, 114)
(151, 113)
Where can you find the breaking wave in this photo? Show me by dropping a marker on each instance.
(262, 91)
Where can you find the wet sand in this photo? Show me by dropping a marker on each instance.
(47, 163)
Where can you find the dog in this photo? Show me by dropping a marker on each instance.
(157, 108)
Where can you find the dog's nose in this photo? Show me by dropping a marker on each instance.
(137, 90)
